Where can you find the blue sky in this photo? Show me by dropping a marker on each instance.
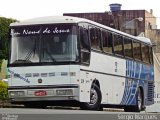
(26, 9)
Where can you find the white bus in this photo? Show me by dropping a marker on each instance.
(73, 60)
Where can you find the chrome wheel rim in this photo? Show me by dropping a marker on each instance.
(93, 97)
(139, 101)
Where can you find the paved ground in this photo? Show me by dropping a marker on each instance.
(71, 114)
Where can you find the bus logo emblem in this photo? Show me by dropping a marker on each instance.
(39, 80)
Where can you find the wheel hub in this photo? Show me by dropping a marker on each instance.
(94, 97)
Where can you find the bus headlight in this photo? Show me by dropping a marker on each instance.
(16, 93)
(64, 92)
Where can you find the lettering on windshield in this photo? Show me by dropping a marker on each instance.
(37, 31)
(29, 32)
(13, 32)
(56, 30)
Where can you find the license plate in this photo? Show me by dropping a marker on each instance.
(40, 93)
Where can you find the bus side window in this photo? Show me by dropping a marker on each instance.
(150, 55)
(84, 44)
(95, 38)
(98, 38)
(128, 47)
(137, 50)
(145, 53)
(118, 44)
(107, 41)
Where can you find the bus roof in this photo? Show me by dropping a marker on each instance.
(69, 19)
(49, 20)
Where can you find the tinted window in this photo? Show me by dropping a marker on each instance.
(137, 50)
(150, 55)
(84, 41)
(118, 42)
(95, 37)
(145, 53)
(107, 41)
(128, 47)
(85, 47)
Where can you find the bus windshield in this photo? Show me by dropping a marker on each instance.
(43, 43)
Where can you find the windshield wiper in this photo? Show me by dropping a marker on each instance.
(29, 54)
(22, 61)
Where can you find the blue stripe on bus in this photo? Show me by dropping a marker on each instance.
(138, 71)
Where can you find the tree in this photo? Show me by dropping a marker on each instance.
(4, 34)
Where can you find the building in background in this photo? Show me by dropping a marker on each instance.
(127, 21)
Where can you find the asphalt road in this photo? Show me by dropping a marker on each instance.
(71, 114)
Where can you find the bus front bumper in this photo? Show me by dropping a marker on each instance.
(44, 93)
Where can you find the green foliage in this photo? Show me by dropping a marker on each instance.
(0, 64)
(3, 90)
(4, 38)
(4, 33)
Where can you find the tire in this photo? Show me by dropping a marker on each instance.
(139, 103)
(95, 99)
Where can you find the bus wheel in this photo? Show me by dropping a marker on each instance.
(95, 99)
(139, 103)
